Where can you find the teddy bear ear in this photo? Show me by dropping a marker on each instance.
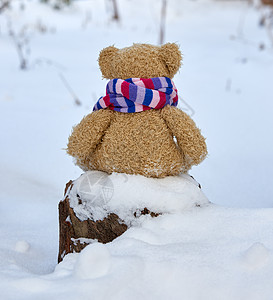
(172, 57)
(105, 61)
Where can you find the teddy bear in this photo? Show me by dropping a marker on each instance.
(137, 128)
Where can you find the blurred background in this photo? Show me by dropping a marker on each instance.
(50, 79)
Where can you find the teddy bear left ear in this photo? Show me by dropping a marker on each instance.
(172, 57)
(105, 61)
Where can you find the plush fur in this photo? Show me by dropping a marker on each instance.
(140, 61)
(154, 143)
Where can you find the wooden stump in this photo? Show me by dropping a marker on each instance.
(74, 234)
(98, 207)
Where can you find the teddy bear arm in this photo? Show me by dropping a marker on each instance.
(88, 133)
(189, 137)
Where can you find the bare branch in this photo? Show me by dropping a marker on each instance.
(70, 90)
(183, 105)
(19, 45)
(4, 4)
(163, 22)
(115, 10)
(112, 7)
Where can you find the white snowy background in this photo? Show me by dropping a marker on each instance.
(221, 251)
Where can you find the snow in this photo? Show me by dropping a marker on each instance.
(22, 246)
(257, 256)
(100, 194)
(83, 240)
(218, 251)
(208, 253)
(94, 262)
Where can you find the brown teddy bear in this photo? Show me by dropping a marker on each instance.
(137, 128)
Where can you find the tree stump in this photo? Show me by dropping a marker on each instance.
(74, 234)
(99, 207)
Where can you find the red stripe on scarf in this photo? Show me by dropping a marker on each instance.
(148, 83)
(125, 89)
(107, 100)
(146, 107)
(162, 100)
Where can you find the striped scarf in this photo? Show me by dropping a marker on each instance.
(138, 94)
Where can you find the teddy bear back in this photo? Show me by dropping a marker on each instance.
(140, 61)
(138, 143)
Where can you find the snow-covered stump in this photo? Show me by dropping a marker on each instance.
(76, 234)
(101, 207)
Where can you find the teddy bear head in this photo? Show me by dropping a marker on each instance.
(140, 61)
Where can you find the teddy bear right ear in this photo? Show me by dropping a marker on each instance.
(105, 61)
(172, 57)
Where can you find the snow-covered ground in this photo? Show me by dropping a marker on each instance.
(221, 251)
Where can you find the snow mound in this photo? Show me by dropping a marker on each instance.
(93, 262)
(95, 194)
(257, 256)
(22, 246)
